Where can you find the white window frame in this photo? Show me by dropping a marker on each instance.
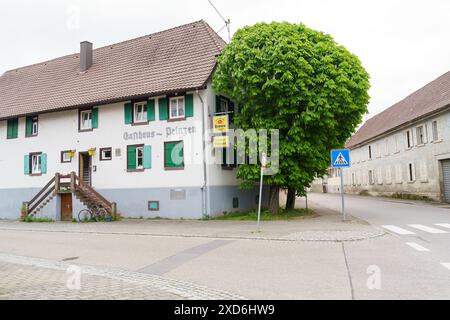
(36, 163)
(435, 130)
(140, 157)
(102, 154)
(34, 126)
(177, 104)
(140, 112)
(65, 158)
(371, 177)
(411, 172)
(86, 124)
(420, 135)
(409, 139)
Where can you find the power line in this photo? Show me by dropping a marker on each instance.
(227, 22)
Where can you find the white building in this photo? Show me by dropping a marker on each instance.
(128, 119)
(406, 148)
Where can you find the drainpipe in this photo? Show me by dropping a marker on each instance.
(205, 184)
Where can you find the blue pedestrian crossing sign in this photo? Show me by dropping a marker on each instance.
(340, 158)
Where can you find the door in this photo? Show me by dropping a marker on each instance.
(446, 179)
(66, 207)
(85, 168)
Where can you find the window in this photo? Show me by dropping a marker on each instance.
(66, 156)
(153, 205)
(353, 179)
(140, 112)
(388, 175)
(420, 135)
(138, 157)
(386, 147)
(398, 174)
(235, 203)
(86, 120)
(434, 126)
(177, 108)
(370, 152)
(371, 177)
(105, 154)
(31, 126)
(411, 172)
(173, 155)
(397, 145)
(12, 131)
(408, 139)
(35, 163)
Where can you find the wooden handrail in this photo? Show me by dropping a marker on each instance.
(41, 199)
(42, 190)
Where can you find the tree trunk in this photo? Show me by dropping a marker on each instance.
(290, 199)
(274, 199)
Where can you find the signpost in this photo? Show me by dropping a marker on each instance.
(263, 165)
(341, 159)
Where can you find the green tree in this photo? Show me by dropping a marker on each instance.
(292, 78)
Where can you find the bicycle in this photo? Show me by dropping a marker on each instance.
(95, 214)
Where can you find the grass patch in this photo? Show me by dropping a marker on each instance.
(364, 193)
(266, 215)
(33, 219)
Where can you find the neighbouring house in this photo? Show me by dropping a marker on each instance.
(119, 126)
(404, 149)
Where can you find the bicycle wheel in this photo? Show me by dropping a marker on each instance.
(101, 214)
(84, 215)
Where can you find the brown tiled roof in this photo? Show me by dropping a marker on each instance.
(430, 99)
(177, 59)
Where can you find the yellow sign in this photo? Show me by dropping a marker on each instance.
(221, 142)
(220, 124)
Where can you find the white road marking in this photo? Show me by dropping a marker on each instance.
(446, 264)
(427, 229)
(397, 229)
(417, 246)
(444, 225)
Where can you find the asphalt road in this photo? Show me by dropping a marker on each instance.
(423, 227)
(390, 267)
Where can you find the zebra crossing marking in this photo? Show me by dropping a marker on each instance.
(397, 230)
(426, 228)
(417, 246)
(444, 225)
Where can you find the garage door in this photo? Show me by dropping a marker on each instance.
(446, 177)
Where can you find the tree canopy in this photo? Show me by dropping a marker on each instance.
(289, 77)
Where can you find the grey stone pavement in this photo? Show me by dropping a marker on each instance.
(26, 278)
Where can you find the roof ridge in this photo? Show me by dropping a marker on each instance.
(108, 46)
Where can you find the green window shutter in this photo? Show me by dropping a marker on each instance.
(151, 110)
(131, 157)
(217, 103)
(26, 164)
(189, 105)
(43, 163)
(95, 118)
(163, 109)
(147, 157)
(170, 149)
(12, 128)
(128, 107)
(29, 126)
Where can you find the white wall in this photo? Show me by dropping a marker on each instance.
(58, 131)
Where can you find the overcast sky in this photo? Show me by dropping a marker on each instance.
(403, 44)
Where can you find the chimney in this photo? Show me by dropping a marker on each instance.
(85, 55)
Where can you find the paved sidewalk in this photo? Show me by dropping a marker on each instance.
(25, 278)
(328, 226)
